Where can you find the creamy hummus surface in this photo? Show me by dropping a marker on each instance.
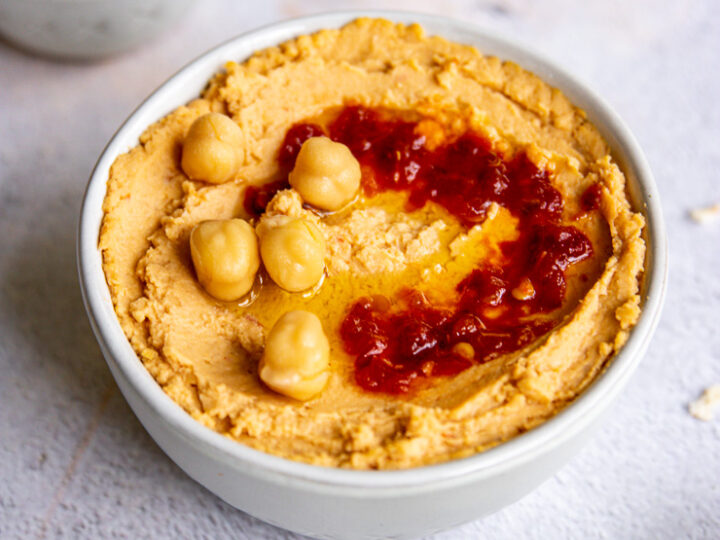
(204, 353)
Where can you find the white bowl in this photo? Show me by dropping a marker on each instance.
(336, 503)
(86, 29)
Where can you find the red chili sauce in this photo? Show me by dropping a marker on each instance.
(397, 342)
(590, 200)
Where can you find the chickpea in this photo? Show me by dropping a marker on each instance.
(293, 251)
(326, 174)
(296, 360)
(212, 150)
(225, 256)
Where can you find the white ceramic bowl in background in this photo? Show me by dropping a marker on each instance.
(86, 29)
(336, 503)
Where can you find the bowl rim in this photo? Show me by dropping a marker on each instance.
(548, 435)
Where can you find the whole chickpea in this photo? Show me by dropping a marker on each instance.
(326, 174)
(212, 150)
(225, 257)
(296, 360)
(293, 251)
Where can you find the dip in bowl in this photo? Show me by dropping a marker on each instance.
(490, 268)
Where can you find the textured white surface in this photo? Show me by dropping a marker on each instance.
(74, 461)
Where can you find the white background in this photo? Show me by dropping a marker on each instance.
(74, 461)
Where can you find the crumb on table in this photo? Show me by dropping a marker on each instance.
(703, 408)
(705, 214)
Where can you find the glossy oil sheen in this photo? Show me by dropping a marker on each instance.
(397, 341)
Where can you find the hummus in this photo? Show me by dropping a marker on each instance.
(204, 353)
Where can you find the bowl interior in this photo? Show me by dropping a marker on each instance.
(189, 82)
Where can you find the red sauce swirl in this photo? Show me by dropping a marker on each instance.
(499, 308)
